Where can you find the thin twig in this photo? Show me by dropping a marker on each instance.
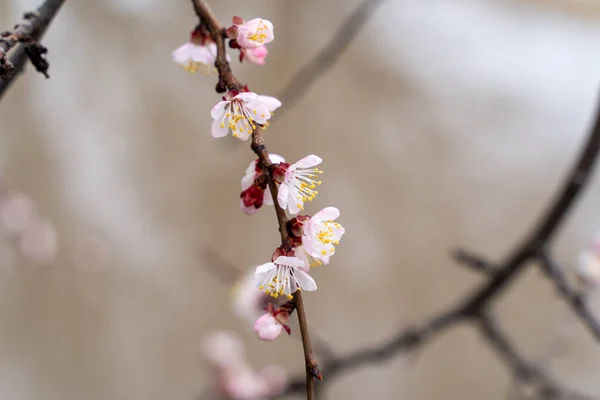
(33, 30)
(474, 262)
(308, 74)
(574, 298)
(523, 370)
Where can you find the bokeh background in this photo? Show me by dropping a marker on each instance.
(445, 123)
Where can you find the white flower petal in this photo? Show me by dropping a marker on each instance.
(282, 196)
(306, 282)
(182, 55)
(276, 158)
(261, 269)
(219, 129)
(327, 214)
(309, 161)
(289, 261)
(270, 102)
(246, 96)
(219, 109)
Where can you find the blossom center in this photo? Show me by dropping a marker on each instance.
(305, 181)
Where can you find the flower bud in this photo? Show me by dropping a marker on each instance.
(267, 327)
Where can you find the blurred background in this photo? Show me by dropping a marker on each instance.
(445, 124)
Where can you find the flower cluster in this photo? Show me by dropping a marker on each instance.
(308, 241)
(200, 52)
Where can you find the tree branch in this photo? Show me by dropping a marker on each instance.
(32, 28)
(476, 306)
(228, 80)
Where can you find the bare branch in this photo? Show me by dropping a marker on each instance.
(31, 29)
(327, 57)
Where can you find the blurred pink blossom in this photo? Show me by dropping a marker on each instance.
(39, 243)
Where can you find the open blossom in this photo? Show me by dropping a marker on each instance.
(255, 33)
(298, 183)
(284, 277)
(321, 234)
(239, 115)
(255, 194)
(195, 57)
(255, 56)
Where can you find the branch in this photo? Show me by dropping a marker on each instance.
(575, 299)
(474, 262)
(476, 305)
(31, 29)
(228, 80)
(523, 370)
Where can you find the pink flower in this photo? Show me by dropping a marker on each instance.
(255, 56)
(239, 116)
(39, 243)
(269, 326)
(299, 183)
(255, 33)
(17, 212)
(283, 277)
(321, 234)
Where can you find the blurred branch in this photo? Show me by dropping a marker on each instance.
(306, 76)
(523, 371)
(574, 298)
(474, 262)
(476, 306)
(30, 30)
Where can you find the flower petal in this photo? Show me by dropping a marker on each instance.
(309, 161)
(219, 129)
(261, 269)
(327, 214)
(219, 109)
(306, 282)
(282, 196)
(270, 102)
(276, 158)
(289, 261)
(182, 54)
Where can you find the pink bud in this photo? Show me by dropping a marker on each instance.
(17, 212)
(237, 20)
(255, 56)
(39, 243)
(267, 327)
